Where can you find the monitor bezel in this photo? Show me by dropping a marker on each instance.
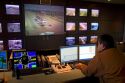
(61, 47)
(87, 59)
(24, 50)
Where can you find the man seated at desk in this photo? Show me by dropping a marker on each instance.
(108, 64)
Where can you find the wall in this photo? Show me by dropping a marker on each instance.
(111, 19)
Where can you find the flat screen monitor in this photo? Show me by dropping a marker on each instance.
(68, 54)
(93, 39)
(43, 19)
(87, 52)
(32, 59)
(14, 44)
(94, 26)
(83, 12)
(70, 26)
(3, 60)
(94, 12)
(0, 28)
(70, 11)
(13, 27)
(70, 41)
(1, 45)
(83, 26)
(12, 9)
(82, 40)
(24, 59)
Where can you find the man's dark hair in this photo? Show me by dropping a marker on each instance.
(107, 41)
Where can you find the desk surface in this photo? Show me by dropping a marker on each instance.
(52, 78)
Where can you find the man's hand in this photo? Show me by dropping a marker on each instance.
(80, 66)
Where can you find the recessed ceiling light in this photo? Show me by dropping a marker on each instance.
(109, 0)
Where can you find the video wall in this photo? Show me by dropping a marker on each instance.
(46, 20)
(79, 28)
(11, 30)
(40, 20)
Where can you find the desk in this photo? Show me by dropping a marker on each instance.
(6, 76)
(52, 78)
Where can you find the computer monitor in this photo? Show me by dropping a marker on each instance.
(13, 27)
(43, 19)
(1, 45)
(83, 26)
(93, 39)
(24, 59)
(70, 41)
(70, 11)
(70, 26)
(15, 44)
(82, 40)
(83, 12)
(94, 12)
(0, 28)
(68, 54)
(87, 52)
(94, 26)
(17, 56)
(32, 59)
(3, 60)
(12, 9)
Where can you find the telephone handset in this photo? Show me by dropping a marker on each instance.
(53, 59)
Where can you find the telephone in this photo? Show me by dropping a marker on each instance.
(61, 68)
(53, 59)
(55, 64)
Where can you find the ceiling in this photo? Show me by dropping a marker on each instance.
(106, 1)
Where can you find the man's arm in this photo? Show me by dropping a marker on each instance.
(89, 69)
